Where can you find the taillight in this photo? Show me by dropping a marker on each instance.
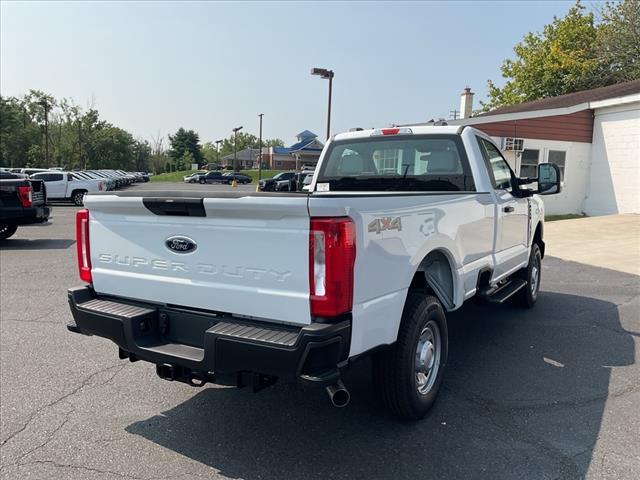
(82, 244)
(24, 194)
(332, 253)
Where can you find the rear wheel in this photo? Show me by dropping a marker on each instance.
(78, 197)
(7, 230)
(408, 375)
(528, 295)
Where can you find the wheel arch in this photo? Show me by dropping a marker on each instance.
(436, 274)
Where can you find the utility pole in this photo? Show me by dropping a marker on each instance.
(260, 149)
(235, 149)
(80, 143)
(45, 105)
(454, 114)
(218, 142)
(326, 74)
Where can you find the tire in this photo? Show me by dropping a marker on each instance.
(406, 392)
(7, 230)
(526, 298)
(78, 197)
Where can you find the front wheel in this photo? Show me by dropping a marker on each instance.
(528, 295)
(78, 198)
(408, 375)
(7, 230)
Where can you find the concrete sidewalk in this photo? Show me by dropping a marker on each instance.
(611, 241)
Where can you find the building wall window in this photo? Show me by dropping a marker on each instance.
(386, 161)
(558, 157)
(529, 163)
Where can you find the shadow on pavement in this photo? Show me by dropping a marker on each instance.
(36, 244)
(523, 397)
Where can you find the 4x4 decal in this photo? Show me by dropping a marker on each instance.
(385, 223)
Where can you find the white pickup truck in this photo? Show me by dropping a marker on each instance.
(68, 185)
(399, 226)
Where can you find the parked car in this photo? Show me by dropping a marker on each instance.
(213, 177)
(193, 178)
(22, 202)
(269, 184)
(109, 183)
(144, 176)
(239, 177)
(294, 184)
(68, 186)
(387, 252)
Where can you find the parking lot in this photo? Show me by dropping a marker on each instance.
(548, 393)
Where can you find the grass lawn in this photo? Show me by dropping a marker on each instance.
(568, 216)
(177, 176)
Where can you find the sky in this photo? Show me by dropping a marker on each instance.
(152, 67)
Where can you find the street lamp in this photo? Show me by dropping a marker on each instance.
(324, 73)
(260, 149)
(235, 152)
(218, 142)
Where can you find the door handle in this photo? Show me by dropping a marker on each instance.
(508, 209)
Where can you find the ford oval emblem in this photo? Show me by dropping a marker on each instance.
(179, 244)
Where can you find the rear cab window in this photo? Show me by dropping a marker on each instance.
(420, 163)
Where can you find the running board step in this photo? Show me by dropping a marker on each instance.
(504, 292)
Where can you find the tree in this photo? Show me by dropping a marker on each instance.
(185, 141)
(272, 142)
(561, 59)
(141, 155)
(571, 54)
(209, 152)
(618, 42)
(247, 140)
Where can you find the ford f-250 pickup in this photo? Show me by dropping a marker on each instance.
(399, 226)
(22, 202)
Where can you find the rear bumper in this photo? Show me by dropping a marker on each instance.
(196, 346)
(26, 216)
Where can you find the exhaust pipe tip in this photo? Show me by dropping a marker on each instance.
(339, 395)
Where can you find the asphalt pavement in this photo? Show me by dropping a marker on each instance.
(549, 393)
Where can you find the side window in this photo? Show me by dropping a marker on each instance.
(558, 157)
(498, 166)
(529, 163)
(55, 177)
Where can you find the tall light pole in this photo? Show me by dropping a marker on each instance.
(328, 74)
(260, 149)
(46, 107)
(218, 142)
(235, 150)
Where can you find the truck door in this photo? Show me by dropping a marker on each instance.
(56, 183)
(512, 215)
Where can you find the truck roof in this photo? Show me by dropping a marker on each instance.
(415, 130)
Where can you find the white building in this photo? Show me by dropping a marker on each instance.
(593, 136)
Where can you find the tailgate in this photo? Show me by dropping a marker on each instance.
(245, 256)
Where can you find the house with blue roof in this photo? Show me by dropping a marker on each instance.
(306, 151)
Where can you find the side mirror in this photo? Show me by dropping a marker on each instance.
(549, 178)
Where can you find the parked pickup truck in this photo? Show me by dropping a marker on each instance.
(22, 202)
(399, 226)
(68, 185)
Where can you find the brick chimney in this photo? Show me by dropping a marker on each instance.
(466, 103)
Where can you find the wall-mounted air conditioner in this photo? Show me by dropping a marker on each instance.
(513, 144)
